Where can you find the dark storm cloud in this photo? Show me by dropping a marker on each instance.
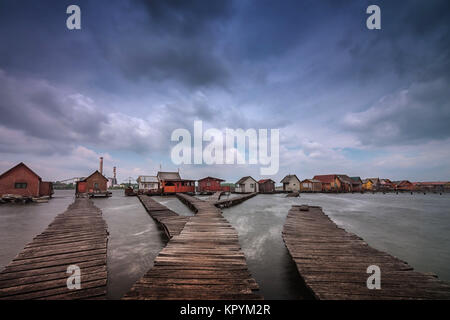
(258, 64)
(42, 111)
(413, 46)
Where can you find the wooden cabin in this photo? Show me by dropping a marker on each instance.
(246, 185)
(404, 185)
(311, 185)
(330, 182)
(431, 186)
(148, 184)
(386, 185)
(291, 183)
(346, 183)
(356, 184)
(266, 186)
(94, 185)
(371, 184)
(22, 181)
(210, 184)
(171, 182)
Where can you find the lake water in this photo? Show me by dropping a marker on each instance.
(415, 228)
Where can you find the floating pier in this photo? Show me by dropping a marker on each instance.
(204, 261)
(226, 203)
(334, 262)
(171, 222)
(78, 237)
(216, 196)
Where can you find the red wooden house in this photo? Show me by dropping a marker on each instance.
(211, 184)
(21, 180)
(95, 185)
(404, 185)
(171, 182)
(266, 186)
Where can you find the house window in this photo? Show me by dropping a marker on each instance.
(96, 185)
(20, 185)
(251, 185)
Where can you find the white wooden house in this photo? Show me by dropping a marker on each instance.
(246, 185)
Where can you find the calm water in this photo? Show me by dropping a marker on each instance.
(414, 228)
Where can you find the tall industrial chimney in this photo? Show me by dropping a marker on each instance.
(101, 165)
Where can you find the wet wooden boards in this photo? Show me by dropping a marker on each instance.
(204, 261)
(169, 220)
(78, 237)
(226, 203)
(333, 262)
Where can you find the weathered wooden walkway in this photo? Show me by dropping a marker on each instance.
(171, 222)
(78, 237)
(333, 262)
(204, 261)
(226, 203)
(216, 196)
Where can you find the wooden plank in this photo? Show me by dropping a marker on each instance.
(333, 262)
(78, 237)
(203, 261)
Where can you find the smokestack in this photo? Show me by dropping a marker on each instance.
(101, 165)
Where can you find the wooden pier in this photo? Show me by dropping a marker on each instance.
(78, 237)
(216, 196)
(226, 203)
(171, 222)
(204, 261)
(333, 262)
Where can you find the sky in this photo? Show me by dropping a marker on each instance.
(346, 99)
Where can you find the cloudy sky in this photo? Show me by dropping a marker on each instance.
(373, 103)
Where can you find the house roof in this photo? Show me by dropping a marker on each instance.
(211, 178)
(147, 179)
(345, 178)
(432, 183)
(288, 177)
(356, 179)
(401, 182)
(96, 171)
(169, 176)
(326, 178)
(265, 180)
(373, 180)
(243, 179)
(21, 164)
(312, 180)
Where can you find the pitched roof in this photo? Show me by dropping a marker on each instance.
(243, 179)
(169, 176)
(325, 178)
(356, 179)
(265, 180)
(312, 180)
(211, 178)
(432, 183)
(147, 179)
(288, 177)
(96, 171)
(21, 164)
(345, 178)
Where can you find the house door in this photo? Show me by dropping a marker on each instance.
(81, 187)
